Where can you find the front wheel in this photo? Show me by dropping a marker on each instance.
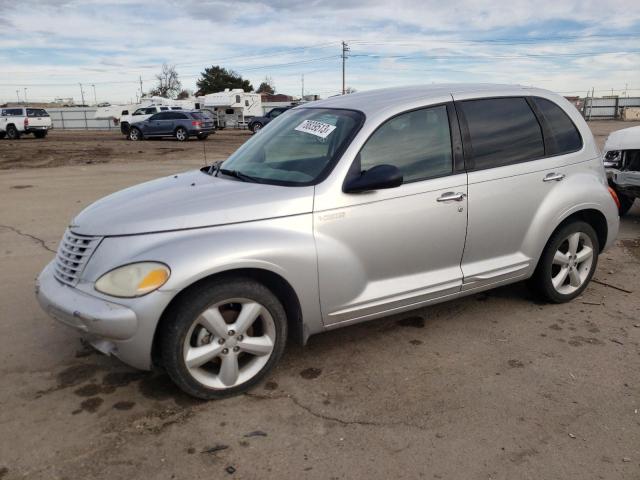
(256, 127)
(181, 134)
(135, 134)
(625, 203)
(12, 133)
(223, 337)
(567, 263)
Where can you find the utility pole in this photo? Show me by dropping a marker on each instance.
(18, 95)
(95, 97)
(81, 93)
(141, 92)
(345, 50)
(302, 90)
(25, 95)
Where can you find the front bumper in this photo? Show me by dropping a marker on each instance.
(87, 314)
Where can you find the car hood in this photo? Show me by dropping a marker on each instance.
(625, 139)
(189, 200)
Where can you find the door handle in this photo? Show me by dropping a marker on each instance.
(451, 197)
(553, 177)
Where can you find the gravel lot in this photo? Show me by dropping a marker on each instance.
(493, 386)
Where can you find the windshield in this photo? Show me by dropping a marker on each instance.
(297, 148)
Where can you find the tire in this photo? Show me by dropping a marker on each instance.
(182, 333)
(124, 128)
(626, 203)
(203, 136)
(134, 134)
(563, 277)
(2, 135)
(42, 134)
(181, 134)
(256, 127)
(12, 133)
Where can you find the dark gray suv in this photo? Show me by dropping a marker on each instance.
(178, 124)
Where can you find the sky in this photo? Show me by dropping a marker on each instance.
(49, 47)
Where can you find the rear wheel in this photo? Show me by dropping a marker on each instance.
(12, 132)
(223, 337)
(41, 134)
(256, 127)
(181, 134)
(135, 134)
(124, 128)
(3, 134)
(567, 263)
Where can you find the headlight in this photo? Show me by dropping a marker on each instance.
(133, 280)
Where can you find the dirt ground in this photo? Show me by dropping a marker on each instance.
(493, 386)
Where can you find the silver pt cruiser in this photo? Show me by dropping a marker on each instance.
(337, 212)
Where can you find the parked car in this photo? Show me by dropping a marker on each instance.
(622, 164)
(343, 211)
(256, 123)
(17, 121)
(143, 113)
(180, 125)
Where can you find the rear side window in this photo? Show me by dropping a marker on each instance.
(563, 136)
(503, 131)
(198, 116)
(12, 112)
(417, 142)
(150, 110)
(180, 116)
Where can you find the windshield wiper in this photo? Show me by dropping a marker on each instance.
(239, 175)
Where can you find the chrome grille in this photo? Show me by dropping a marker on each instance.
(73, 254)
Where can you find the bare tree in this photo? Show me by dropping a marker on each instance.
(350, 90)
(168, 84)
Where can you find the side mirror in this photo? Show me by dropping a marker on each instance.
(379, 177)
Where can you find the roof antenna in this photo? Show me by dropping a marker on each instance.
(204, 151)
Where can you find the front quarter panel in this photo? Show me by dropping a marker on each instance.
(283, 246)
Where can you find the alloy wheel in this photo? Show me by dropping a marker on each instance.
(229, 343)
(572, 263)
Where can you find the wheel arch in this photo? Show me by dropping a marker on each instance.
(277, 284)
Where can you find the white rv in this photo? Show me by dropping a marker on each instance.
(237, 106)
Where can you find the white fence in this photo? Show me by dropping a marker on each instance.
(79, 118)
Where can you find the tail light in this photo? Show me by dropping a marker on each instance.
(26, 122)
(196, 123)
(614, 195)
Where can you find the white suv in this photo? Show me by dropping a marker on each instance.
(17, 121)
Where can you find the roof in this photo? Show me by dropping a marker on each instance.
(373, 101)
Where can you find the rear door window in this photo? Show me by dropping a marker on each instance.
(502, 131)
(417, 142)
(150, 111)
(12, 112)
(562, 135)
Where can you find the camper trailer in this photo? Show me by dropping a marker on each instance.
(236, 106)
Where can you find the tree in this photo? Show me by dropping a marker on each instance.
(216, 79)
(186, 93)
(168, 83)
(350, 90)
(267, 86)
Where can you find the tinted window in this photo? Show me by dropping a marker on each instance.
(199, 116)
(180, 116)
(503, 131)
(563, 136)
(418, 143)
(237, 98)
(36, 112)
(275, 112)
(150, 110)
(164, 108)
(139, 111)
(12, 112)
(176, 108)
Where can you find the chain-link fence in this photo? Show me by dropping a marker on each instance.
(607, 108)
